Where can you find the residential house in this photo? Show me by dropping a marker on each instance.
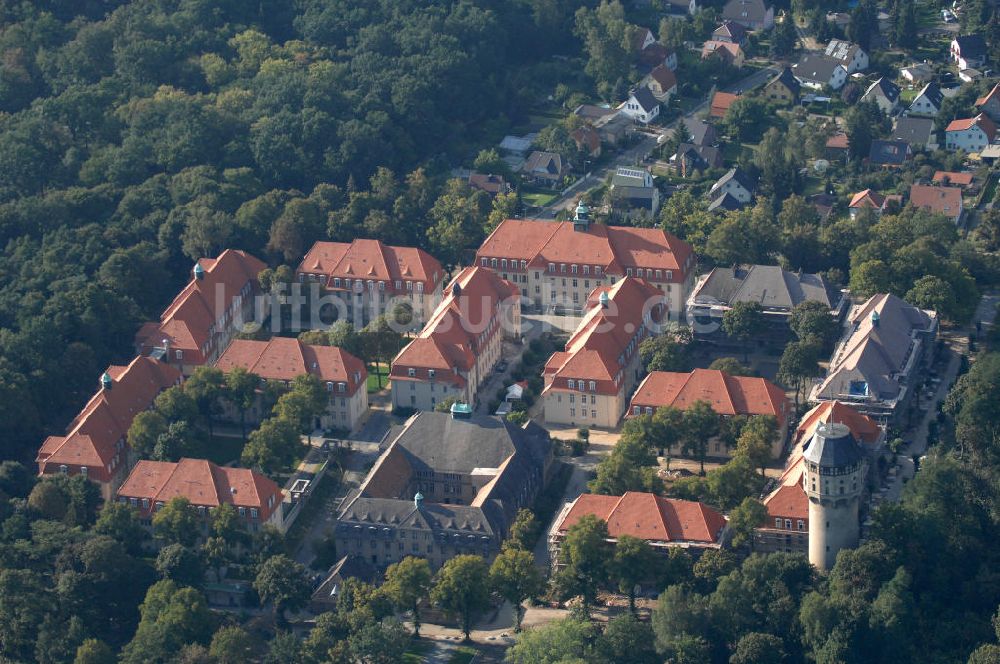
(445, 485)
(587, 140)
(751, 14)
(558, 264)
(721, 101)
(928, 101)
(786, 528)
(641, 106)
(942, 200)
(837, 146)
(970, 75)
(824, 204)
(702, 133)
(968, 51)
(589, 383)
(726, 203)
(657, 54)
(881, 359)
(990, 104)
(490, 184)
(209, 311)
(95, 444)
(917, 132)
(633, 189)
(884, 94)
(641, 39)
(592, 113)
(839, 19)
(460, 344)
(734, 33)
(614, 128)
(327, 595)
(690, 158)
(517, 145)
(728, 52)
(736, 183)
(361, 280)
(778, 291)
(869, 199)
(281, 359)
(970, 134)
(662, 83)
(729, 396)
(783, 89)
(545, 168)
(153, 484)
(918, 73)
(820, 71)
(889, 154)
(963, 180)
(848, 54)
(663, 523)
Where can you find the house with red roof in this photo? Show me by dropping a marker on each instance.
(281, 359)
(152, 484)
(990, 103)
(205, 316)
(663, 523)
(963, 180)
(361, 280)
(939, 199)
(721, 101)
(970, 134)
(95, 444)
(557, 264)
(460, 344)
(728, 52)
(786, 527)
(729, 396)
(588, 383)
(867, 199)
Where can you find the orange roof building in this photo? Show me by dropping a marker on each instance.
(369, 277)
(938, 199)
(970, 134)
(557, 264)
(152, 484)
(721, 102)
(205, 316)
(728, 395)
(282, 359)
(588, 383)
(963, 180)
(95, 441)
(662, 522)
(460, 344)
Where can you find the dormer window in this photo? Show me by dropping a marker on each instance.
(63, 468)
(552, 267)
(593, 386)
(341, 387)
(485, 262)
(493, 263)
(411, 372)
(430, 373)
(571, 383)
(777, 522)
(636, 410)
(336, 282)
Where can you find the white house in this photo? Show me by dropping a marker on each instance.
(920, 72)
(736, 183)
(970, 134)
(885, 94)
(968, 51)
(751, 14)
(641, 106)
(850, 55)
(819, 71)
(928, 101)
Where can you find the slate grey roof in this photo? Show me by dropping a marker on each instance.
(933, 94)
(833, 446)
(731, 31)
(702, 133)
(915, 131)
(971, 46)
(841, 50)
(386, 515)
(787, 78)
(701, 156)
(756, 10)
(725, 202)
(543, 162)
(889, 153)
(644, 97)
(815, 68)
(886, 88)
(769, 285)
(739, 176)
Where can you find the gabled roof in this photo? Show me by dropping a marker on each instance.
(187, 322)
(721, 102)
(787, 79)
(372, 260)
(885, 88)
(737, 175)
(971, 46)
(489, 183)
(943, 200)
(769, 285)
(91, 438)
(950, 177)
(992, 94)
(702, 133)
(644, 97)
(732, 31)
(817, 69)
(982, 121)
(203, 483)
(889, 153)
(728, 395)
(549, 163)
(649, 517)
(586, 137)
(842, 51)
(639, 36)
(664, 77)
(864, 428)
(754, 10)
(701, 156)
(932, 93)
(915, 131)
(655, 54)
(869, 198)
(728, 51)
(726, 203)
(838, 141)
(283, 358)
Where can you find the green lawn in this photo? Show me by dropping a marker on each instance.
(537, 198)
(224, 449)
(373, 379)
(417, 652)
(463, 655)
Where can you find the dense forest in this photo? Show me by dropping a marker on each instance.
(136, 137)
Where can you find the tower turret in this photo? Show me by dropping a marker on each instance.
(581, 218)
(106, 381)
(834, 465)
(199, 271)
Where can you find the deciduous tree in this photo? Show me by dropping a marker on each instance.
(406, 584)
(515, 577)
(461, 588)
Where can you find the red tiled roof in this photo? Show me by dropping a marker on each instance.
(788, 501)
(655, 54)
(203, 483)
(612, 248)
(982, 121)
(598, 349)
(664, 77)
(837, 142)
(91, 438)
(649, 517)
(586, 137)
(728, 395)
(990, 95)
(450, 339)
(188, 319)
(727, 50)
(943, 200)
(865, 429)
(282, 358)
(372, 260)
(721, 103)
(960, 179)
(867, 198)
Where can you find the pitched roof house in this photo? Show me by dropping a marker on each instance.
(702, 133)
(850, 55)
(883, 93)
(968, 51)
(942, 200)
(721, 101)
(915, 131)
(783, 88)
(152, 484)
(866, 199)
(546, 168)
(661, 522)
(206, 314)
(928, 101)
(657, 54)
(95, 442)
(751, 14)
(885, 345)
(641, 105)
(736, 183)
(662, 83)
(970, 134)
(691, 157)
(962, 180)
(819, 71)
(491, 184)
(729, 52)
(587, 140)
(730, 32)
(889, 154)
(990, 103)
(601, 358)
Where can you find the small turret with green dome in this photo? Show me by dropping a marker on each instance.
(199, 271)
(581, 218)
(106, 381)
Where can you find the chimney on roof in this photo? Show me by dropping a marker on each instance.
(418, 500)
